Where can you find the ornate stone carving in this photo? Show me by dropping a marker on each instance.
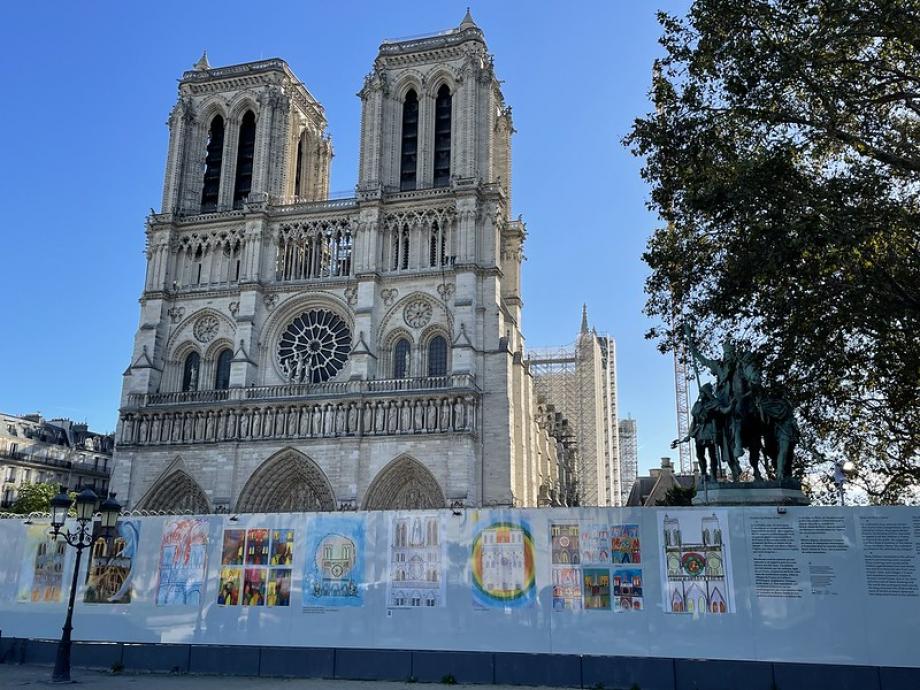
(351, 295)
(233, 308)
(406, 415)
(289, 482)
(389, 296)
(177, 493)
(446, 290)
(206, 328)
(176, 314)
(270, 300)
(404, 485)
(417, 313)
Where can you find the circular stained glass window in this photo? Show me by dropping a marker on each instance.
(314, 347)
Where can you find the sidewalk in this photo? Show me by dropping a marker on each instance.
(15, 676)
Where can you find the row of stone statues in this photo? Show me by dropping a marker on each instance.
(326, 420)
(736, 415)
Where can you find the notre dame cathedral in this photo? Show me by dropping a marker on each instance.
(301, 353)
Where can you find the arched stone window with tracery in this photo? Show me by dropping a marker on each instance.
(442, 115)
(288, 482)
(402, 352)
(437, 356)
(214, 153)
(245, 157)
(222, 372)
(191, 369)
(176, 493)
(408, 161)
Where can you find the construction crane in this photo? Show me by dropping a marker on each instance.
(681, 379)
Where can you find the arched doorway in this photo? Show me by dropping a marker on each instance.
(176, 493)
(404, 484)
(288, 482)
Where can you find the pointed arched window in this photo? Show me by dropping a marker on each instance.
(190, 372)
(245, 153)
(210, 190)
(437, 356)
(401, 359)
(222, 375)
(442, 137)
(297, 172)
(409, 149)
(404, 257)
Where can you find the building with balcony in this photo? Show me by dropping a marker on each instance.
(57, 451)
(301, 353)
(580, 381)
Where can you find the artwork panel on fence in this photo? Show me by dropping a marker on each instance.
(503, 562)
(41, 574)
(256, 567)
(109, 574)
(183, 562)
(334, 573)
(695, 562)
(416, 560)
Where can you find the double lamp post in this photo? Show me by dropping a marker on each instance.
(80, 536)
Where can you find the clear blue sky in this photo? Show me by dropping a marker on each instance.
(89, 87)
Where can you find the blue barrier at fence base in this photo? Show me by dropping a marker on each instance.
(555, 670)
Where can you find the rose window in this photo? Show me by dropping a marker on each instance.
(314, 347)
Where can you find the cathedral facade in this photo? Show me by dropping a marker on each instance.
(301, 353)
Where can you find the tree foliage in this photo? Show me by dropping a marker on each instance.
(784, 158)
(35, 498)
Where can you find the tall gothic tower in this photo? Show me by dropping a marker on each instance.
(300, 353)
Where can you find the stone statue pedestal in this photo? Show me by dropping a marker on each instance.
(786, 492)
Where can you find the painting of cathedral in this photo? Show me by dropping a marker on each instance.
(183, 562)
(627, 589)
(594, 542)
(108, 576)
(564, 540)
(416, 561)
(695, 563)
(624, 544)
(334, 569)
(42, 571)
(502, 561)
(566, 589)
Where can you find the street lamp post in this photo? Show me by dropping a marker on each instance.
(87, 503)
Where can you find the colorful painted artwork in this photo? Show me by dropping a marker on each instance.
(256, 568)
(415, 562)
(257, 547)
(596, 585)
(254, 586)
(234, 545)
(696, 574)
(334, 568)
(41, 574)
(564, 544)
(503, 564)
(282, 547)
(108, 575)
(183, 562)
(228, 593)
(627, 589)
(279, 587)
(594, 542)
(566, 589)
(624, 544)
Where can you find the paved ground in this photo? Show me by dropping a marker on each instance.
(15, 676)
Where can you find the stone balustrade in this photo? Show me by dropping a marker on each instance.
(302, 390)
(420, 413)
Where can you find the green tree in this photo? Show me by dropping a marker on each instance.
(35, 498)
(784, 159)
(678, 496)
